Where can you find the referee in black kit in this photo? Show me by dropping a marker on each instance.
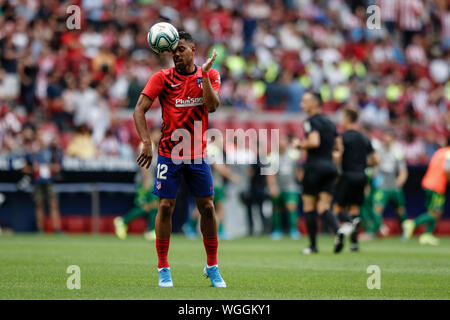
(357, 154)
(321, 140)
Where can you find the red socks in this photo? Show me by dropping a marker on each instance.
(211, 245)
(162, 248)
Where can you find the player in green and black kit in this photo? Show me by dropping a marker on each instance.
(371, 222)
(392, 175)
(146, 203)
(283, 189)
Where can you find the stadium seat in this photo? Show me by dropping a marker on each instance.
(74, 224)
(138, 225)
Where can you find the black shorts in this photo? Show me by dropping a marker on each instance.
(319, 177)
(350, 190)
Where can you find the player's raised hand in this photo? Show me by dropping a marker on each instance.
(145, 157)
(208, 64)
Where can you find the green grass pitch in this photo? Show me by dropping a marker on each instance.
(34, 267)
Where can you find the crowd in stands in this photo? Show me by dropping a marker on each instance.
(68, 85)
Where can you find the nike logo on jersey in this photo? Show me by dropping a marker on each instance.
(175, 85)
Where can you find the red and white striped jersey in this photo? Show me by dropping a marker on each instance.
(445, 25)
(410, 14)
(388, 10)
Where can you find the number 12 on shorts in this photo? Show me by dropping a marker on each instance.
(161, 170)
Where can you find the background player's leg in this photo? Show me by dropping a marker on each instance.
(220, 216)
(151, 216)
(121, 223)
(323, 209)
(400, 207)
(38, 198)
(435, 204)
(54, 214)
(40, 216)
(341, 213)
(219, 197)
(190, 227)
(378, 215)
(380, 200)
(291, 208)
(163, 228)
(430, 219)
(355, 219)
(277, 230)
(132, 214)
(309, 209)
(151, 220)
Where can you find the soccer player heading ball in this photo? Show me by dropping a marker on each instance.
(187, 93)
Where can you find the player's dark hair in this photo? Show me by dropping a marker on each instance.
(317, 96)
(186, 36)
(448, 141)
(351, 114)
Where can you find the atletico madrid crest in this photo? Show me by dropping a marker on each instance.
(199, 82)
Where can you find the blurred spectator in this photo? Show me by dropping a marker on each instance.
(110, 145)
(431, 144)
(269, 53)
(43, 162)
(413, 149)
(82, 145)
(9, 86)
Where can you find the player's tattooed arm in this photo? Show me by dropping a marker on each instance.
(145, 157)
(210, 96)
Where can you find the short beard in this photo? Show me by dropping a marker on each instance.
(181, 69)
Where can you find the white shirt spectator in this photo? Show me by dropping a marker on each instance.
(328, 55)
(86, 101)
(414, 151)
(439, 70)
(91, 41)
(9, 86)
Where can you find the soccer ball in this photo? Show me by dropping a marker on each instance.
(162, 37)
